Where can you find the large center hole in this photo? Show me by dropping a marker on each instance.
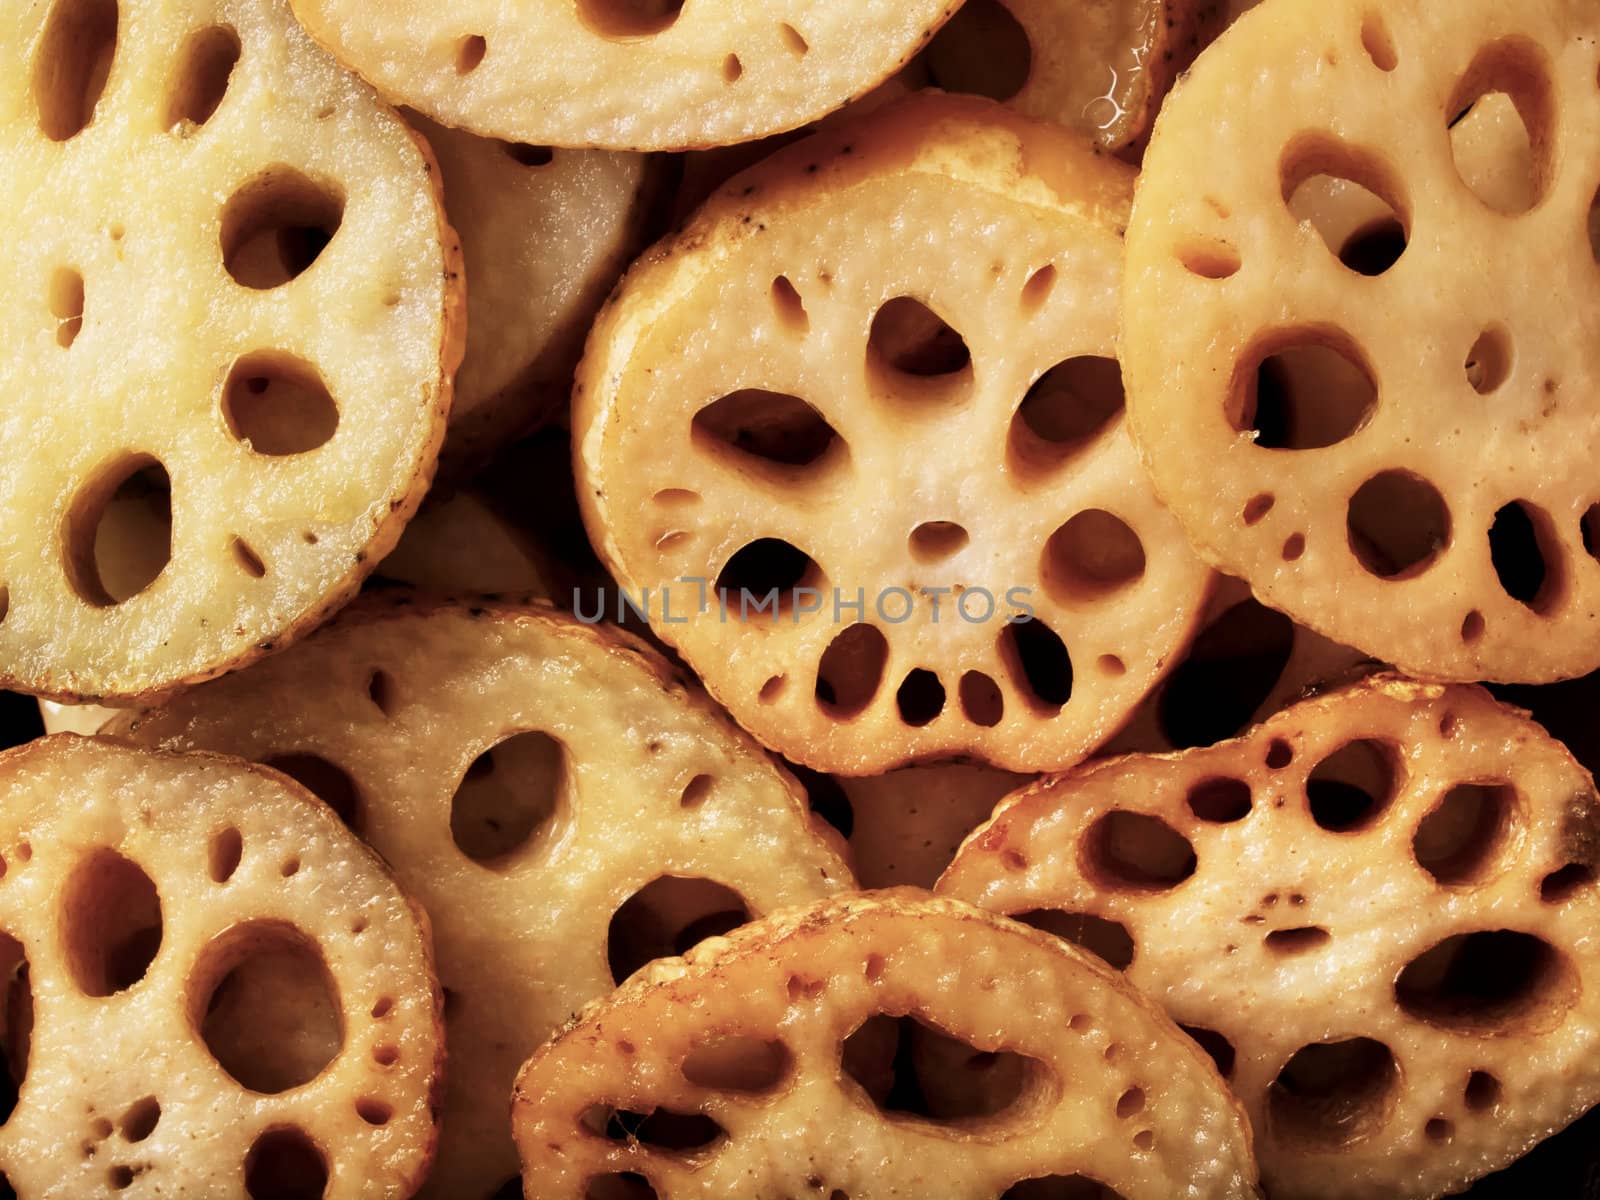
(909, 337)
(1398, 524)
(1333, 1094)
(1459, 839)
(851, 671)
(1305, 392)
(1353, 786)
(508, 794)
(1065, 410)
(277, 225)
(908, 1068)
(277, 404)
(267, 1006)
(110, 923)
(118, 534)
(1134, 851)
(1489, 983)
(769, 426)
(72, 64)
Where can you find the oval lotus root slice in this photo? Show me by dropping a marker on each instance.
(1247, 662)
(461, 544)
(1101, 68)
(234, 311)
(760, 1065)
(211, 987)
(1375, 910)
(1431, 502)
(872, 387)
(545, 234)
(625, 74)
(561, 804)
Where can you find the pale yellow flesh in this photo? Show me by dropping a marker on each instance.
(91, 1059)
(461, 545)
(808, 978)
(552, 72)
(1212, 950)
(957, 204)
(261, 545)
(522, 940)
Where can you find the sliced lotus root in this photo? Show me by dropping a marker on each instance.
(210, 987)
(765, 1064)
(234, 317)
(545, 234)
(460, 544)
(564, 808)
(861, 417)
(1385, 429)
(625, 74)
(905, 826)
(1100, 67)
(1376, 910)
(1246, 663)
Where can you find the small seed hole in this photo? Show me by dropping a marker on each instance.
(200, 81)
(920, 698)
(469, 53)
(1398, 524)
(66, 304)
(1489, 361)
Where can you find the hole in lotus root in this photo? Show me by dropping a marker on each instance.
(789, 306)
(266, 1006)
(1066, 409)
(1516, 176)
(910, 338)
(1489, 983)
(1459, 839)
(72, 64)
(1060, 1187)
(525, 155)
(1351, 788)
(278, 404)
(982, 51)
(920, 698)
(981, 700)
(769, 426)
(1227, 676)
(110, 923)
(200, 81)
(277, 225)
(909, 1068)
(851, 671)
(1352, 200)
(118, 532)
(827, 798)
(224, 853)
(66, 304)
(1303, 390)
(326, 781)
(285, 1164)
(1137, 852)
(1397, 524)
(1482, 1092)
(934, 541)
(1038, 663)
(140, 1119)
(1107, 940)
(1220, 800)
(669, 916)
(470, 52)
(1378, 42)
(508, 794)
(735, 1063)
(1219, 1048)
(1297, 941)
(1489, 361)
(613, 1185)
(660, 1128)
(1209, 258)
(1563, 883)
(16, 1022)
(629, 18)
(1527, 556)
(1093, 555)
(760, 581)
(1333, 1094)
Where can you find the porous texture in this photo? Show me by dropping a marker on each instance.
(545, 234)
(1297, 900)
(1364, 506)
(121, 1092)
(625, 74)
(168, 169)
(413, 708)
(847, 358)
(799, 984)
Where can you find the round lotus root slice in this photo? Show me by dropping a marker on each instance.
(625, 74)
(861, 418)
(561, 804)
(1099, 67)
(210, 987)
(1376, 910)
(1247, 662)
(234, 312)
(545, 234)
(1385, 429)
(772, 1062)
